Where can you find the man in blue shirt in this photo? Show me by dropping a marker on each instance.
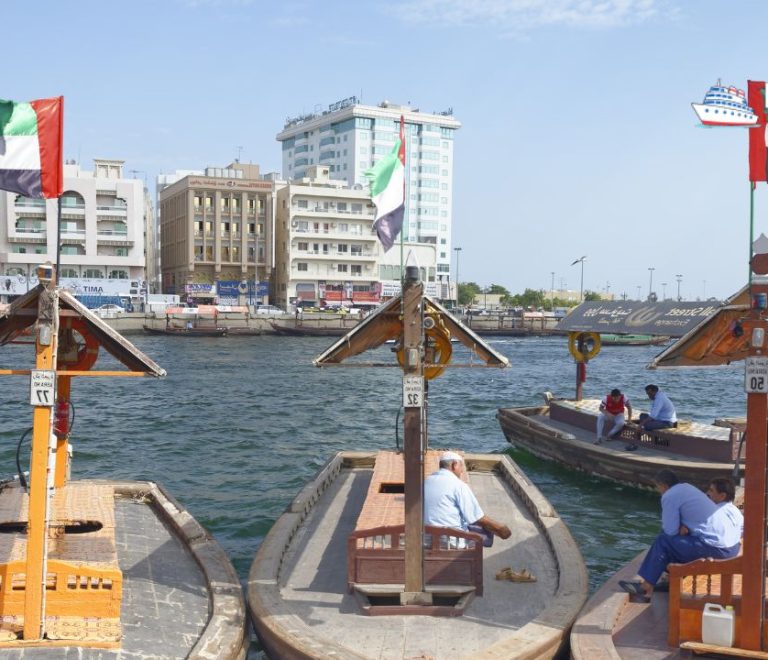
(449, 502)
(662, 414)
(692, 528)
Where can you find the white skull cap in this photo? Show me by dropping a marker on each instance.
(450, 456)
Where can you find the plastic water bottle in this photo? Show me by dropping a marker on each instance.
(717, 625)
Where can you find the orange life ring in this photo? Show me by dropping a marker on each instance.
(87, 352)
(575, 339)
(441, 338)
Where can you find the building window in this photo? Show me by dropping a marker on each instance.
(343, 247)
(302, 266)
(302, 247)
(118, 275)
(302, 203)
(341, 268)
(68, 272)
(121, 252)
(356, 269)
(93, 272)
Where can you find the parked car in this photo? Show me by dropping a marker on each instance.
(109, 311)
(268, 309)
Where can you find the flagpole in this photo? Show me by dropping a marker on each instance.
(405, 201)
(751, 228)
(58, 241)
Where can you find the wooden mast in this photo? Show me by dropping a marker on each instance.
(413, 384)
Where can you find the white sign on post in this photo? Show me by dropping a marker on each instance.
(756, 375)
(42, 387)
(413, 391)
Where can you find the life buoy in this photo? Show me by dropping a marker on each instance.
(440, 338)
(87, 350)
(589, 341)
(243, 287)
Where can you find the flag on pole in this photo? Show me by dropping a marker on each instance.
(387, 181)
(31, 147)
(758, 137)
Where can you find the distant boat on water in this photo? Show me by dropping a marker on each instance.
(725, 106)
(632, 340)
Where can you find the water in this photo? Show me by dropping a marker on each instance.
(240, 424)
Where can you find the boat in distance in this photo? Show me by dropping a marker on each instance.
(725, 106)
(98, 568)
(186, 332)
(563, 431)
(350, 570)
(632, 340)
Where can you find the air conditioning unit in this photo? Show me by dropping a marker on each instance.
(294, 223)
(333, 225)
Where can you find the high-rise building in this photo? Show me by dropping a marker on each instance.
(216, 235)
(103, 225)
(350, 137)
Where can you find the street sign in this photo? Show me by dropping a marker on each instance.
(756, 375)
(42, 387)
(413, 391)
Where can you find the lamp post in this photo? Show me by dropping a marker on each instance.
(679, 279)
(638, 291)
(552, 290)
(485, 298)
(663, 290)
(581, 290)
(457, 250)
(650, 282)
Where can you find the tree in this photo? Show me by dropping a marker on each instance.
(467, 292)
(591, 295)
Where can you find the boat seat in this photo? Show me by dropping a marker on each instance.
(375, 550)
(696, 583)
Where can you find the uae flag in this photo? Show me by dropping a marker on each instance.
(387, 181)
(31, 147)
(758, 138)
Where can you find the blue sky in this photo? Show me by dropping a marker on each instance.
(578, 137)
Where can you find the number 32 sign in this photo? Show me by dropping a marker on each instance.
(42, 387)
(756, 375)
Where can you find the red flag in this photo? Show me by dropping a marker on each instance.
(758, 152)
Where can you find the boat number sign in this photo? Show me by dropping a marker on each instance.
(413, 391)
(42, 387)
(756, 375)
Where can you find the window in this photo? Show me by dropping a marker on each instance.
(356, 269)
(68, 272)
(343, 247)
(302, 266)
(236, 253)
(208, 227)
(357, 208)
(20, 249)
(341, 268)
(121, 252)
(118, 275)
(302, 203)
(93, 272)
(302, 247)
(341, 207)
(225, 253)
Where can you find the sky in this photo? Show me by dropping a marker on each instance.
(577, 135)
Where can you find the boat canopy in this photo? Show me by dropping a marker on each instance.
(385, 323)
(22, 314)
(620, 317)
(713, 342)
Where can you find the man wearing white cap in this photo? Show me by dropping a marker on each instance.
(450, 502)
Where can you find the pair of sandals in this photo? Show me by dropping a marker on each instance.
(636, 588)
(523, 575)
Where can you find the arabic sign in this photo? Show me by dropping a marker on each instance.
(670, 318)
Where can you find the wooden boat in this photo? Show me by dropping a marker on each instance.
(302, 330)
(427, 596)
(98, 563)
(186, 332)
(632, 340)
(564, 431)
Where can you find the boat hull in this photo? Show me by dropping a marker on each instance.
(186, 332)
(296, 616)
(705, 113)
(571, 446)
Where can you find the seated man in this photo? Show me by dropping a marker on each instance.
(612, 410)
(692, 528)
(728, 520)
(662, 415)
(449, 502)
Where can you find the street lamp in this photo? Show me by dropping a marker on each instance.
(552, 290)
(457, 250)
(679, 279)
(581, 291)
(663, 290)
(650, 283)
(638, 291)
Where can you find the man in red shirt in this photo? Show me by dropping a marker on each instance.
(612, 410)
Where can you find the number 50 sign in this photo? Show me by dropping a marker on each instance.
(756, 375)
(42, 387)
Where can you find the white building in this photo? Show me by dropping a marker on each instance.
(349, 137)
(325, 251)
(103, 225)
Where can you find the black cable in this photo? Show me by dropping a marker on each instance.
(738, 458)
(397, 429)
(71, 419)
(22, 480)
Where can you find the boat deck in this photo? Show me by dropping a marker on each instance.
(313, 582)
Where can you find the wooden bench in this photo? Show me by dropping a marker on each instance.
(696, 583)
(376, 551)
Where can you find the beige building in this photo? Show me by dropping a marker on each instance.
(104, 218)
(326, 251)
(215, 235)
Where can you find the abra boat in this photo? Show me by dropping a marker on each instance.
(433, 596)
(632, 340)
(186, 332)
(563, 431)
(302, 330)
(725, 106)
(98, 563)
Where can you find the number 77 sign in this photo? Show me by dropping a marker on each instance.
(42, 386)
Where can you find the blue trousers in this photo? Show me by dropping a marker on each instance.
(654, 424)
(678, 550)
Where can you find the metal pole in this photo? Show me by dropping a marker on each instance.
(679, 279)
(552, 290)
(650, 282)
(457, 250)
(581, 292)
(663, 290)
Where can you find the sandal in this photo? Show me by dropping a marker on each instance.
(515, 576)
(633, 588)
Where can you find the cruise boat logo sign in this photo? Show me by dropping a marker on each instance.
(726, 105)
